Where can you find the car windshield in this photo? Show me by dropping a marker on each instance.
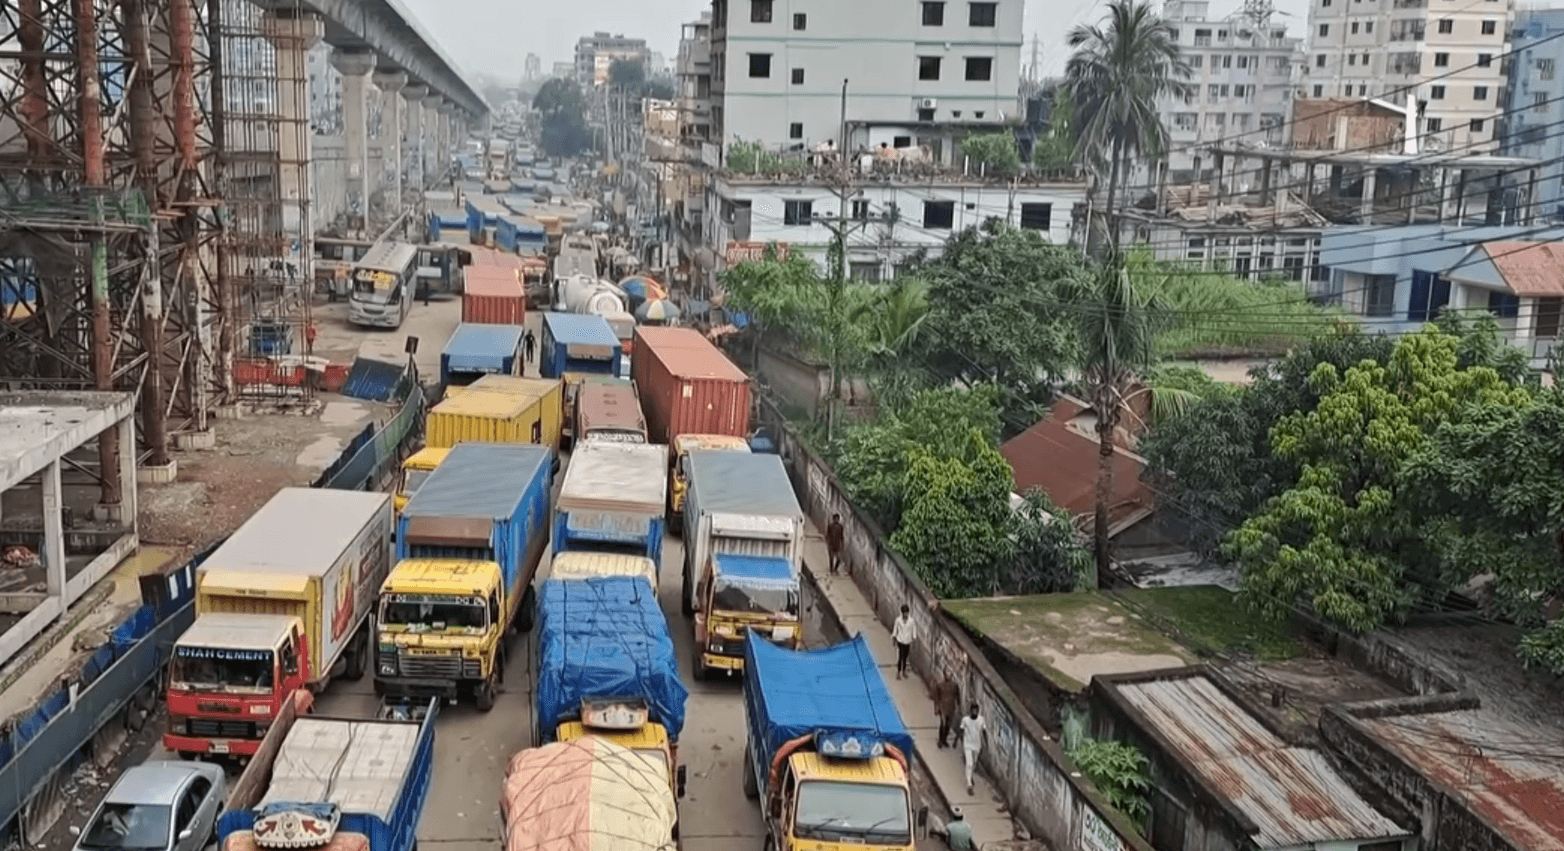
(735, 595)
(132, 827)
(432, 614)
(832, 811)
(219, 669)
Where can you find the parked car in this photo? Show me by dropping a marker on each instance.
(158, 806)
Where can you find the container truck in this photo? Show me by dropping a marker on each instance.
(282, 605)
(608, 410)
(826, 752)
(468, 547)
(499, 409)
(587, 795)
(612, 500)
(415, 470)
(494, 295)
(678, 473)
(687, 385)
(478, 350)
(579, 344)
(743, 548)
(333, 784)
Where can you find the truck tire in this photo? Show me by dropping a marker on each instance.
(527, 614)
(697, 667)
(771, 842)
(358, 657)
(684, 593)
(483, 696)
(751, 786)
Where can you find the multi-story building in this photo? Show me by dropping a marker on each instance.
(1244, 71)
(533, 69)
(563, 70)
(1446, 55)
(1535, 100)
(910, 70)
(596, 54)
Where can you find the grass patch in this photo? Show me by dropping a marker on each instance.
(1211, 618)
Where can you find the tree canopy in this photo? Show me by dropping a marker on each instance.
(563, 108)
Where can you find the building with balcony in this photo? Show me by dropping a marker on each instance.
(1449, 57)
(597, 53)
(1535, 100)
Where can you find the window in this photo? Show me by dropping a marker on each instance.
(1485, 60)
(1490, 27)
(1430, 294)
(1478, 124)
(1446, 26)
(1436, 93)
(928, 67)
(1037, 216)
(1197, 61)
(1352, 59)
(868, 271)
(760, 64)
(1441, 60)
(860, 210)
(1379, 295)
(1504, 305)
(795, 130)
(1319, 61)
(1479, 93)
(1227, 62)
(979, 67)
(799, 21)
(1211, 91)
(939, 214)
(899, 142)
(1354, 27)
(982, 14)
(1539, 102)
(1184, 120)
(1319, 91)
(1368, 27)
(1548, 313)
(925, 115)
(760, 11)
(978, 114)
(798, 76)
(1325, 4)
(1324, 30)
(1435, 125)
(1544, 68)
(797, 212)
(1243, 62)
(933, 14)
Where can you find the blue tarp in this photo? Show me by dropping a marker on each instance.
(799, 693)
(605, 637)
(375, 380)
(762, 569)
(481, 348)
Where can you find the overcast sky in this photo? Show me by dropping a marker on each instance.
(495, 36)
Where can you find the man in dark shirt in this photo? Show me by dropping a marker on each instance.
(947, 705)
(834, 537)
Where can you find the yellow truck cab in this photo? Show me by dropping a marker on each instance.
(827, 804)
(442, 622)
(415, 470)
(678, 474)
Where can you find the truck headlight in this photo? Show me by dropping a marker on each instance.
(714, 647)
(388, 668)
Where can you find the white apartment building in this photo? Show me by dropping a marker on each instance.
(778, 68)
(597, 52)
(1447, 53)
(1245, 72)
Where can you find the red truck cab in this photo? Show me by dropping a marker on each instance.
(228, 679)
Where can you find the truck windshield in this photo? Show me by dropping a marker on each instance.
(831, 811)
(434, 614)
(608, 435)
(218, 669)
(736, 595)
(413, 480)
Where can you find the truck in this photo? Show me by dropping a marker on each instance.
(825, 753)
(499, 409)
(282, 605)
(468, 547)
(678, 473)
(494, 295)
(478, 350)
(333, 784)
(587, 795)
(687, 385)
(575, 343)
(743, 550)
(415, 470)
(612, 499)
(608, 410)
(588, 295)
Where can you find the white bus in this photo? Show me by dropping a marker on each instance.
(383, 285)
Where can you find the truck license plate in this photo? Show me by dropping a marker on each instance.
(219, 747)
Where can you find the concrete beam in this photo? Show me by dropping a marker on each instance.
(38, 427)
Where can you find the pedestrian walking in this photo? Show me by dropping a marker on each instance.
(532, 344)
(971, 733)
(958, 833)
(947, 704)
(835, 536)
(903, 632)
(424, 289)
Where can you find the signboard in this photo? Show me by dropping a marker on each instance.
(752, 252)
(1096, 835)
(223, 654)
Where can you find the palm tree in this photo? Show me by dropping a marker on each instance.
(1118, 72)
(892, 319)
(1116, 325)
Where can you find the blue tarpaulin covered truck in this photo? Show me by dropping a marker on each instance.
(478, 350)
(826, 752)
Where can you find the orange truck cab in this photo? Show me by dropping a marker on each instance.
(229, 677)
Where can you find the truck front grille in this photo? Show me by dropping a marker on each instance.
(213, 728)
(431, 667)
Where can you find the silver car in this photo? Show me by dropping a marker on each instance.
(158, 806)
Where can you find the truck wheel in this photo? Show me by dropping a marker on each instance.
(684, 594)
(751, 786)
(528, 611)
(484, 696)
(358, 658)
(771, 843)
(697, 667)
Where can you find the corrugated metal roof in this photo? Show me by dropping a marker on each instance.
(580, 328)
(299, 531)
(482, 341)
(620, 474)
(1529, 268)
(1293, 795)
(740, 483)
(479, 480)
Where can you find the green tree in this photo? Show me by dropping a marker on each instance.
(628, 74)
(893, 321)
(996, 153)
(563, 121)
(1116, 327)
(1118, 73)
(954, 531)
(1047, 558)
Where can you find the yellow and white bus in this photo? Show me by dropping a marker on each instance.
(383, 285)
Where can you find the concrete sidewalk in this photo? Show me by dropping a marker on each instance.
(984, 809)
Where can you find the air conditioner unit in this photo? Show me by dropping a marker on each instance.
(927, 103)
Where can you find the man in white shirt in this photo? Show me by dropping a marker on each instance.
(971, 735)
(903, 632)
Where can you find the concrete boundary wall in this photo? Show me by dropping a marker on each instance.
(1040, 785)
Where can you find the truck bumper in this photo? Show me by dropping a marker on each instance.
(213, 747)
(414, 687)
(718, 662)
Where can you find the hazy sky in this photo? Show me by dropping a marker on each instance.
(495, 36)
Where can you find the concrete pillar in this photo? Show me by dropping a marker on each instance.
(355, 67)
(447, 110)
(128, 476)
(1214, 189)
(54, 531)
(1366, 203)
(431, 137)
(293, 34)
(390, 84)
(414, 95)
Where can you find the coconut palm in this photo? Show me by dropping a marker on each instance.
(1119, 70)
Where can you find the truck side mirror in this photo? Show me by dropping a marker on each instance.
(679, 779)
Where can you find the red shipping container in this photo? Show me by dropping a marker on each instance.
(493, 296)
(688, 386)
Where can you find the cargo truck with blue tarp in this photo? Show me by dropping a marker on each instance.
(478, 350)
(612, 500)
(468, 547)
(826, 752)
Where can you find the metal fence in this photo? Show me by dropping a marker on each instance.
(373, 455)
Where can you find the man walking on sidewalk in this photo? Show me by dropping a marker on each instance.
(834, 538)
(947, 705)
(531, 345)
(903, 632)
(971, 734)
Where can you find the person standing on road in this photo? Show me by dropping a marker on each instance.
(835, 536)
(971, 735)
(903, 632)
(531, 345)
(947, 704)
